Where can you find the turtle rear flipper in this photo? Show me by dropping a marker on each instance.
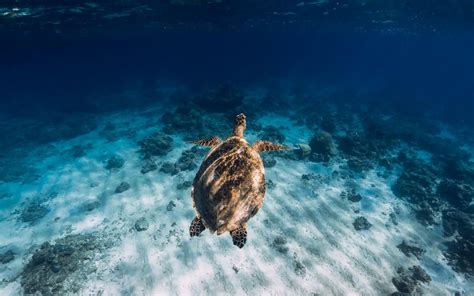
(196, 227)
(239, 236)
(263, 146)
(209, 142)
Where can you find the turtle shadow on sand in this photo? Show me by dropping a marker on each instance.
(229, 187)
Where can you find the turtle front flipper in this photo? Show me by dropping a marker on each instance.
(210, 142)
(196, 227)
(264, 146)
(239, 236)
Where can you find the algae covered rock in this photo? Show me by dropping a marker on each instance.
(157, 144)
(184, 185)
(7, 257)
(115, 162)
(148, 166)
(141, 224)
(361, 223)
(409, 250)
(122, 187)
(33, 212)
(322, 145)
(406, 281)
(60, 267)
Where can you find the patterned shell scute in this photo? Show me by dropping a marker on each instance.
(229, 187)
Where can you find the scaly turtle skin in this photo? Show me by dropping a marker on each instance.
(229, 187)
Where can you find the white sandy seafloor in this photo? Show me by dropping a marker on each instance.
(323, 253)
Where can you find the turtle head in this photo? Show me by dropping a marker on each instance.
(239, 125)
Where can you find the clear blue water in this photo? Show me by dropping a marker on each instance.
(99, 102)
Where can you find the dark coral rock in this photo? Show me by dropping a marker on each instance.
(270, 184)
(225, 98)
(458, 169)
(362, 151)
(459, 254)
(169, 168)
(273, 134)
(148, 166)
(323, 145)
(361, 223)
(65, 260)
(354, 144)
(420, 274)
(170, 206)
(115, 162)
(454, 220)
(279, 243)
(299, 268)
(404, 283)
(90, 206)
(410, 250)
(157, 144)
(141, 224)
(425, 214)
(309, 177)
(7, 257)
(268, 161)
(33, 212)
(407, 280)
(353, 196)
(359, 164)
(184, 185)
(186, 161)
(458, 195)
(416, 185)
(122, 187)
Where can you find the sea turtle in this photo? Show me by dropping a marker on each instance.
(229, 187)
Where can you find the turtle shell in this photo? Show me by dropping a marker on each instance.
(229, 187)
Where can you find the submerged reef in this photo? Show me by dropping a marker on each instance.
(158, 144)
(352, 175)
(361, 223)
(33, 212)
(322, 146)
(407, 280)
(62, 266)
(7, 257)
(186, 162)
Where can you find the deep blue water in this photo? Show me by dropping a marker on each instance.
(427, 70)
